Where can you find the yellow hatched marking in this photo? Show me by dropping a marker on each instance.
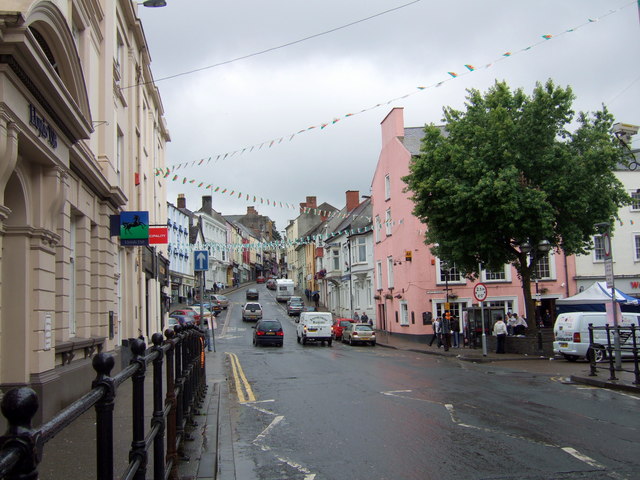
(241, 380)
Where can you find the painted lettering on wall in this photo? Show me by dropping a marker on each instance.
(635, 284)
(43, 127)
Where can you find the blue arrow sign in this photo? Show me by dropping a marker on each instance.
(201, 260)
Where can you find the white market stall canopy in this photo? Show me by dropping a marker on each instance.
(598, 293)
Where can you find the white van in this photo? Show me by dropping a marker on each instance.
(571, 334)
(284, 289)
(315, 327)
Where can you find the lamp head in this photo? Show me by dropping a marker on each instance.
(154, 3)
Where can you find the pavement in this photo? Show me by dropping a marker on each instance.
(214, 432)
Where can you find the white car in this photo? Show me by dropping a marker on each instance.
(315, 327)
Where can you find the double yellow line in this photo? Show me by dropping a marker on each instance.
(240, 380)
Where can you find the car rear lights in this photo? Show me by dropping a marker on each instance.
(259, 332)
(576, 337)
(355, 334)
(280, 333)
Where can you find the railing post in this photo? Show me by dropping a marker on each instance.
(138, 451)
(172, 452)
(612, 369)
(158, 410)
(636, 369)
(19, 405)
(592, 357)
(103, 364)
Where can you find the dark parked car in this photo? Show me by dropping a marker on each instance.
(268, 332)
(252, 294)
(175, 319)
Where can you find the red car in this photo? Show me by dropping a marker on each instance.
(338, 327)
(260, 279)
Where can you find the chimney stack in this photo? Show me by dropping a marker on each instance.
(311, 202)
(353, 199)
(252, 211)
(206, 203)
(182, 202)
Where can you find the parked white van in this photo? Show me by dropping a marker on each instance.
(571, 333)
(284, 289)
(315, 327)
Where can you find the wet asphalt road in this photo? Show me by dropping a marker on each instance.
(317, 412)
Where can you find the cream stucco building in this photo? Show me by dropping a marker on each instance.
(81, 134)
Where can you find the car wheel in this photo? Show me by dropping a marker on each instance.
(350, 341)
(571, 358)
(329, 342)
(598, 353)
(304, 340)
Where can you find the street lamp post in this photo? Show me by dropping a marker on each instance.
(609, 277)
(543, 247)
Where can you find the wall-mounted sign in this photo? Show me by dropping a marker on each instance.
(43, 127)
(134, 228)
(158, 235)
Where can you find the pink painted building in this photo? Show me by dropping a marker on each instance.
(409, 285)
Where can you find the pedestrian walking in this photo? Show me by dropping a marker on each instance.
(500, 331)
(356, 317)
(446, 331)
(364, 318)
(436, 332)
(316, 299)
(455, 332)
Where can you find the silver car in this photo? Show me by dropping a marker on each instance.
(252, 311)
(222, 300)
(358, 333)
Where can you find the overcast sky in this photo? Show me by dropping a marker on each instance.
(271, 96)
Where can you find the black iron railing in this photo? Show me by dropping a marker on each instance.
(629, 340)
(22, 446)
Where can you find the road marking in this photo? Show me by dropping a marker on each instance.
(266, 431)
(583, 458)
(452, 414)
(240, 380)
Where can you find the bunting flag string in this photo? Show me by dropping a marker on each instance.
(324, 213)
(336, 118)
(260, 246)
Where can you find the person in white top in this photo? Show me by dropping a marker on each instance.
(520, 326)
(500, 331)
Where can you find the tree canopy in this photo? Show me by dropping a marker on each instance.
(508, 171)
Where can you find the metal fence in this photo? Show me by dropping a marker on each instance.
(628, 341)
(182, 349)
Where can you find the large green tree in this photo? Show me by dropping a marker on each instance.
(507, 172)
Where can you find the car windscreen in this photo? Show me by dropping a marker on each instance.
(252, 306)
(362, 328)
(270, 326)
(344, 323)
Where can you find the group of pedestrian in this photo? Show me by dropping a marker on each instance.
(364, 318)
(446, 330)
